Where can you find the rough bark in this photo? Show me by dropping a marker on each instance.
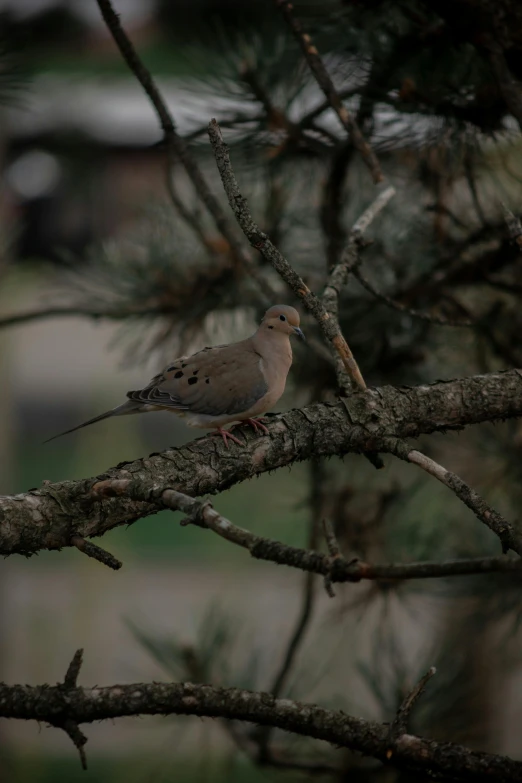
(48, 517)
(61, 705)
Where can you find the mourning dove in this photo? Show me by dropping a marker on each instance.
(221, 385)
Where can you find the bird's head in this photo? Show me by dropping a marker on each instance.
(282, 318)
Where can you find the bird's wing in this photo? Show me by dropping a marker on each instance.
(221, 381)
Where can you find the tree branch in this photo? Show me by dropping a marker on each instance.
(66, 721)
(72, 311)
(514, 225)
(259, 240)
(96, 552)
(508, 535)
(308, 592)
(316, 503)
(54, 704)
(350, 257)
(510, 87)
(324, 81)
(400, 722)
(437, 320)
(47, 517)
(335, 568)
(175, 143)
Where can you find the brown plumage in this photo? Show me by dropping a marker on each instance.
(221, 385)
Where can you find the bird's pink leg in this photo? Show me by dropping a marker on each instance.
(226, 434)
(257, 425)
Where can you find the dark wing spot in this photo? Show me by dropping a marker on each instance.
(171, 368)
(192, 381)
(195, 372)
(179, 375)
(208, 380)
(183, 364)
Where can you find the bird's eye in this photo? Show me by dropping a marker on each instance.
(282, 318)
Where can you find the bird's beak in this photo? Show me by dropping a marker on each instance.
(299, 333)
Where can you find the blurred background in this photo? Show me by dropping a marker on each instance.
(103, 279)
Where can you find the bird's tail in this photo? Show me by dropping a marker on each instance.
(121, 410)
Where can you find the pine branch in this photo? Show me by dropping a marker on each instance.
(48, 517)
(110, 314)
(57, 705)
(324, 81)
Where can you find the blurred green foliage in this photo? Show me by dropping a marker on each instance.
(134, 769)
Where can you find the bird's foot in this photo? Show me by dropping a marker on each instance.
(257, 425)
(226, 434)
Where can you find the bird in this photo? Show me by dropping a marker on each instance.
(237, 382)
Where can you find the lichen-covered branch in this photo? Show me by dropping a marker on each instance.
(58, 705)
(47, 518)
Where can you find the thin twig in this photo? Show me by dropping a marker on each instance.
(73, 670)
(72, 311)
(438, 320)
(334, 551)
(303, 620)
(65, 722)
(259, 240)
(317, 479)
(350, 257)
(514, 225)
(510, 88)
(203, 515)
(400, 723)
(330, 212)
(324, 81)
(314, 113)
(175, 142)
(275, 117)
(510, 538)
(472, 185)
(190, 217)
(96, 552)
(332, 201)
